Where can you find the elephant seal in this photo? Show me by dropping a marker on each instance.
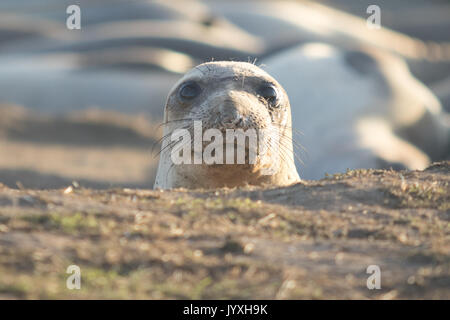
(223, 99)
(359, 108)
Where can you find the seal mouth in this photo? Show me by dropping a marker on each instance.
(229, 154)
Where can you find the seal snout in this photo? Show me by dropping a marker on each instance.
(229, 115)
(231, 111)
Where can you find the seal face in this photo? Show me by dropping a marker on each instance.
(226, 124)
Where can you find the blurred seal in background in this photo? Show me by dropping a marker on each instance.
(359, 109)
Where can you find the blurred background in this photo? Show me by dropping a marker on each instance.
(85, 105)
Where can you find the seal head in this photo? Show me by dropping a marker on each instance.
(217, 110)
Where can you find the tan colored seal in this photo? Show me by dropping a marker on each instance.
(227, 97)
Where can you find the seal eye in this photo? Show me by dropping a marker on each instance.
(270, 94)
(190, 90)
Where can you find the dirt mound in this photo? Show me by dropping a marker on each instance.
(314, 239)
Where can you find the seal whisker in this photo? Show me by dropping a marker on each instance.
(286, 146)
(289, 127)
(161, 140)
(175, 120)
(296, 144)
(172, 143)
(282, 152)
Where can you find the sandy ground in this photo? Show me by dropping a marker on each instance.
(96, 148)
(312, 240)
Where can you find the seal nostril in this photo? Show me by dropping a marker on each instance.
(229, 114)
